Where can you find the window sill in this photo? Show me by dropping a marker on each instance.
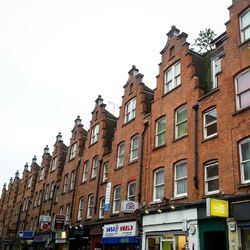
(156, 202)
(242, 185)
(158, 147)
(114, 215)
(125, 123)
(241, 110)
(209, 93)
(180, 138)
(83, 182)
(93, 178)
(170, 91)
(210, 138)
(118, 168)
(92, 144)
(71, 159)
(179, 198)
(244, 43)
(217, 194)
(104, 182)
(132, 162)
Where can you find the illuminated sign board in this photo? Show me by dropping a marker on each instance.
(217, 208)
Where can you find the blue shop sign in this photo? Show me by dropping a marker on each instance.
(121, 240)
(27, 234)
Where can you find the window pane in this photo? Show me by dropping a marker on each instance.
(132, 189)
(181, 186)
(247, 33)
(117, 193)
(211, 116)
(246, 170)
(243, 82)
(245, 20)
(182, 129)
(213, 185)
(212, 171)
(169, 75)
(159, 192)
(181, 115)
(161, 125)
(181, 170)
(245, 151)
(177, 69)
(244, 99)
(159, 177)
(212, 129)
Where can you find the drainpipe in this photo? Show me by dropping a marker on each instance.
(97, 186)
(195, 108)
(141, 161)
(74, 191)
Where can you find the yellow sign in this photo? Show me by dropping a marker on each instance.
(218, 208)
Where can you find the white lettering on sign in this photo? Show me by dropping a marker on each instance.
(120, 229)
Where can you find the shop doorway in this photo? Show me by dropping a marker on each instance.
(215, 240)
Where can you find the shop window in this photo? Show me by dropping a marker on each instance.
(244, 149)
(245, 238)
(158, 184)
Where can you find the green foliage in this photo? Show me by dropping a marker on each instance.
(203, 42)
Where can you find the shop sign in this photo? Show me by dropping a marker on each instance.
(41, 238)
(45, 226)
(26, 234)
(125, 229)
(217, 208)
(45, 218)
(107, 197)
(59, 222)
(129, 206)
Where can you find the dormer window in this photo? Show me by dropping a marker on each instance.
(73, 151)
(172, 77)
(245, 25)
(130, 110)
(94, 134)
(53, 166)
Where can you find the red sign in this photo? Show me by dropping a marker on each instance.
(45, 227)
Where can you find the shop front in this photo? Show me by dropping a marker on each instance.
(79, 238)
(174, 230)
(239, 225)
(121, 236)
(96, 237)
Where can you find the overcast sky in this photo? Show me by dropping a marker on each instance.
(56, 56)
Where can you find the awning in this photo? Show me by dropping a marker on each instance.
(121, 240)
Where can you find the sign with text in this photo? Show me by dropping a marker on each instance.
(59, 222)
(217, 208)
(124, 229)
(45, 218)
(129, 206)
(107, 197)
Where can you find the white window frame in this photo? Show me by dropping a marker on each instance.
(46, 192)
(101, 207)
(94, 134)
(238, 94)
(85, 171)
(67, 214)
(175, 79)
(177, 124)
(158, 185)
(65, 183)
(120, 155)
(134, 148)
(159, 133)
(116, 200)
(246, 28)
(131, 196)
(130, 108)
(180, 179)
(41, 175)
(90, 206)
(53, 165)
(73, 150)
(51, 190)
(29, 181)
(242, 162)
(105, 172)
(206, 125)
(207, 180)
(80, 209)
(216, 69)
(95, 164)
(72, 180)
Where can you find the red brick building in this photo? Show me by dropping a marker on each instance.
(171, 172)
